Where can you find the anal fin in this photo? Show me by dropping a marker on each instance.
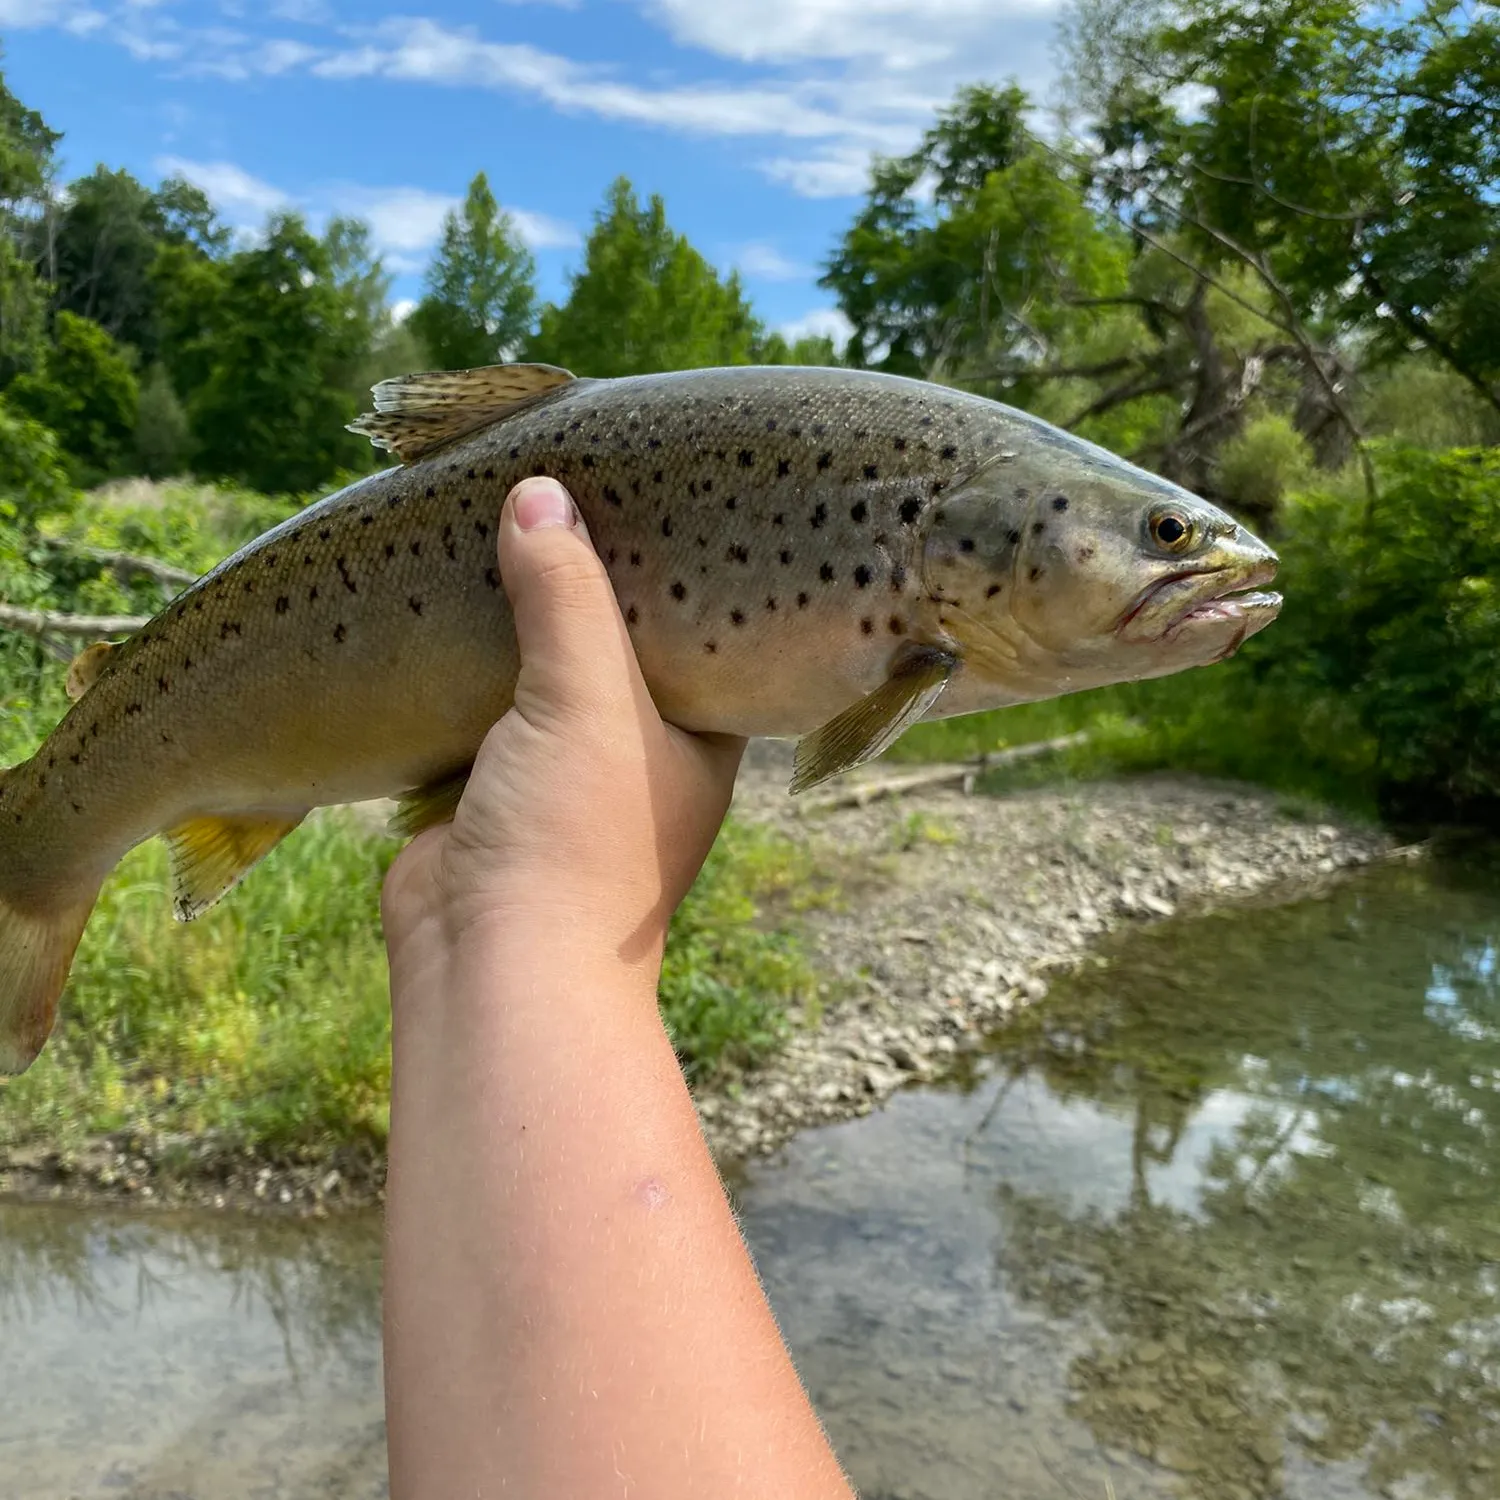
(426, 806)
(211, 855)
(877, 721)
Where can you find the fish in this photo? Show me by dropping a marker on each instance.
(829, 555)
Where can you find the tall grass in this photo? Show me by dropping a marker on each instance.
(267, 1020)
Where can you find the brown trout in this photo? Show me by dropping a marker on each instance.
(820, 553)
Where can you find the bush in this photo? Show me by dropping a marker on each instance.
(1262, 464)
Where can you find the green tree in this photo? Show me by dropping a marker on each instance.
(645, 300)
(85, 390)
(162, 436)
(1348, 153)
(32, 475)
(26, 159)
(264, 346)
(481, 287)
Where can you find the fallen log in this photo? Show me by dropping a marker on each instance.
(127, 564)
(871, 789)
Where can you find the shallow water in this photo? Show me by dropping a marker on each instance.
(1219, 1220)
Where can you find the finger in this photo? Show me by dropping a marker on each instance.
(575, 650)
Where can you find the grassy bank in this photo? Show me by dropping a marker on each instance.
(267, 1021)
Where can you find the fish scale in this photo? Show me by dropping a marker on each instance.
(823, 553)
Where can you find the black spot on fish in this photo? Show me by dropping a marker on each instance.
(819, 429)
(249, 585)
(489, 473)
(779, 519)
(786, 557)
(708, 486)
(632, 615)
(747, 458)
(926, 421)
(966, 544)
(610, 557)
(635, 559)
(228, 628)
(515, 452)
(949, 452)
(416, 548)
(130, 708)
(654, 442)
(312, 594)
(872, 471)
(1085, 553)
(867, 626)
(900, 445)
(896, 625)
(937, 487)
(482, 527)
(731, 502)
(431, 492)
(187, 663)
(737, 553)
(679, 591)
(339, 633)
(826, 572)
(819, 516)
(612, 495)
(862, 576)
(559, 435)
(1060, 502)
(771, 603)
(666, 526)
(770, 424)
(283, 604)
(365, 520)
(656, 476)
(492, 578)
(271, 560)
(992, 590)
(910, 510)
(1013, 537)
(736, 617)
(711, 647)
(465, 503)
(858, 511)
(825, 460)
(898, 576)
(1035, 574)
(801, 601)
(783, 467)
(344, 574)
(588, 460)
(693, 488)
(325, 533)
(415, 605)
(1038, 527)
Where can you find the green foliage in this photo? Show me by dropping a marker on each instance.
(32, 476)
(1265, 461)
(1352, 150)
(85, 391)
(949, 283)
(265, 346)
(26, 147)
(481, 287)
(645, 300)
(810, 349)
(162, 437)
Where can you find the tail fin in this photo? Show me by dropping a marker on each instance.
(36, 952)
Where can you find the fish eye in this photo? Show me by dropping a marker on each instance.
(1172, 531)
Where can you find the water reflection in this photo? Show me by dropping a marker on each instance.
(1333, 1291)
(1219, 1222)
(186, 1357)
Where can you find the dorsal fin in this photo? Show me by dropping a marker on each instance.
(85, 667)
(417, 414)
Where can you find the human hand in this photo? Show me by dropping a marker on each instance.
(586, 818)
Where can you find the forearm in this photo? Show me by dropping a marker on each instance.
(570, 1308)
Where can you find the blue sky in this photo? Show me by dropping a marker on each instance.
(755, 119)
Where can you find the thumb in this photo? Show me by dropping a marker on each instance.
(575, 650)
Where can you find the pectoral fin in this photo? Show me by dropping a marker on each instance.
(210, 856)
(877, 721)
(417, 414)
(85, 667)
(429, 805)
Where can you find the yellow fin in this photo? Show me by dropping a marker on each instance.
(210, 856)
(85, 667)
(36, 950)
(877, 721)
(417, 414)
(427, 806)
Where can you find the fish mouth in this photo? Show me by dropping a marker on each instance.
(1202, 597)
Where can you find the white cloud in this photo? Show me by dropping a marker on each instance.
(766, 263)
(542, 231)
(402, 309)
(400, 218)
(839, 173)
(821, 322)
(903, 34)
(243, 199)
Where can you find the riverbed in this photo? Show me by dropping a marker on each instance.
(1217, 1219)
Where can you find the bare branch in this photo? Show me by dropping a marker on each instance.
(1130, 391)
(43, 622)
(128, 564)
